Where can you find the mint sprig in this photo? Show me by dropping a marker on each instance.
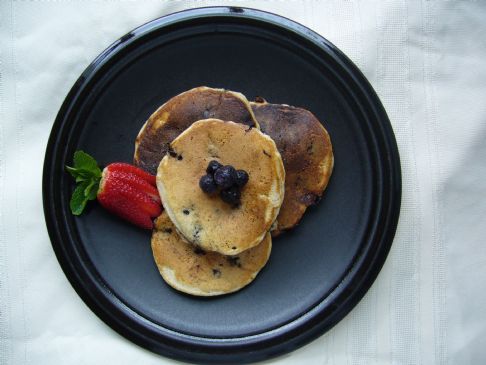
(87, 175)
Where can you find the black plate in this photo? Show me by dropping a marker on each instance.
(316, 273)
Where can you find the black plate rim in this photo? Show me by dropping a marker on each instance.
(294, 334)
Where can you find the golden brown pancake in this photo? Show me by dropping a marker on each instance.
(307, 155)
(189, 269)
(177, 114)
(206, 220)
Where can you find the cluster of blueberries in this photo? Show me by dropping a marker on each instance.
(227, 179)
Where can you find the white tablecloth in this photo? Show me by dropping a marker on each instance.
(426, 60)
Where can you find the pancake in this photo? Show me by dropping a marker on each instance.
(187, 268)
(206, 220)
(307, 155)
(177, 114)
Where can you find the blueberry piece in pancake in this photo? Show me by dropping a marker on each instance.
(177, 114)
(189, 269)
(205, 219)
(307, 155)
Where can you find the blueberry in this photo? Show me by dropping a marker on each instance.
(213, 166)
(206, 183)
(241, 178)
(231, 195)
(225, 176)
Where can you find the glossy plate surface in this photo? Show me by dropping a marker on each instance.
(316, 273)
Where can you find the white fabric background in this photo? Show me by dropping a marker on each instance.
(427, 61)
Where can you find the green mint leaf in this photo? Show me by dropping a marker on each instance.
(87, 174)
(78, 199)
(80, 174)
(73, 171)
(83, 161)
(91, 190)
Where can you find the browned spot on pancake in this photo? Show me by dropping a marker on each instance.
(199, 251)
(309, 199)
(217, 273)
(234, 261)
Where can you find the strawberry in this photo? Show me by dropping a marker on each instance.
(123, 189)
(125, 167)
(114, 173)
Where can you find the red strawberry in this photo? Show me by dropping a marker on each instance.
(122, 189)
(133, 180)
(125, 195)
(125, 167)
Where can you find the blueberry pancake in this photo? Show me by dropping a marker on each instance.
(307, 156)
(177, 114)
(189, 269)
(206, 219)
